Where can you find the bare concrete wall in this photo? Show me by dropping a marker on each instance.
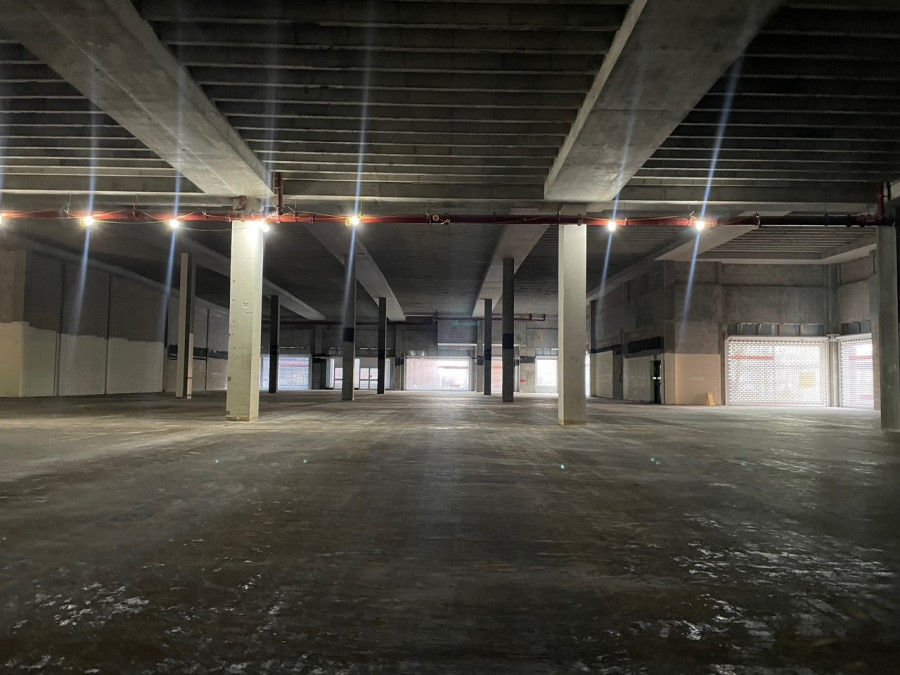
(658, 303)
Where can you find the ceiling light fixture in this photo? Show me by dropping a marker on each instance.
(354, 221)
(174, 223)
(88, 221)
(611, 226)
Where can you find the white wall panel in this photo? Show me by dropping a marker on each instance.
(12, 361)
(82, 365)
(40, 362)
(134, 367)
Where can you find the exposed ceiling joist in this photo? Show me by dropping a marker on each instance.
(117, 62)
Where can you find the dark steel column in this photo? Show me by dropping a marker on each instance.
(509, 338)
(348, 344)
(488, 340)
(592, 346)
(274, 339)
(382, 342)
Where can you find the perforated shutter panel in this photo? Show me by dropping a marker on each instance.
(857, 375)
(426, 373)
(496, 376)
(545, 370)
(293, 373)
(777, 372)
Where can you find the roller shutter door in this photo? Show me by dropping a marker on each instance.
(777, 372)
(857, 374)
(293, 373)
(424, 373)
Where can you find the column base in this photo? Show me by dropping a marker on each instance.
(240, 418)
(567, 423)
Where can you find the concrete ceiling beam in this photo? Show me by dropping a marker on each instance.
(788, 133)
(307, 171)
(591, 17)
(387, 61)
(423, 39)
(108, 53)
(374, 98)
(483, 82)
(655, 73)
(879, 19)
(376, 125)
(336, 238)
(808, 199)
(388, 153)
(854, 87)
(274, 110)
(458, 141)
(516, 242)
(794, 118)
(127, 188)
(854, 250)
(322, 190)
(350, 178)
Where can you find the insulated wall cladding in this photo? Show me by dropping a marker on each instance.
(136, 325)
(90, 331)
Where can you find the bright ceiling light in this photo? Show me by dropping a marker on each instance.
(174, 223)
(354, 221)
(88, 221)
(699, 225)
(612, 226)
(262, 225)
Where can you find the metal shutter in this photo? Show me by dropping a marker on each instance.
(857, 374)
(777, 372)
(293, 373)
(425, 373)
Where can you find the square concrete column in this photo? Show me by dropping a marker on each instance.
(382, 342)
(348, 342)
(184, 365)
(488, 343)
(245, 321)
(509, 336)
(274, 340)
(572, 329)
(888, 328)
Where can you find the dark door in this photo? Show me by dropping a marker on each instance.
(657, 381)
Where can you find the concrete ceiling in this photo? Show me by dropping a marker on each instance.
(495, 107)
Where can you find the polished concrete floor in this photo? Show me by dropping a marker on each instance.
(432, 534)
